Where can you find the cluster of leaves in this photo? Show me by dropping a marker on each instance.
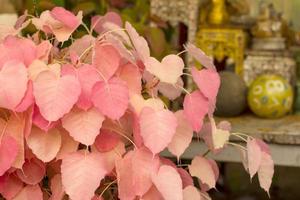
(74, 121)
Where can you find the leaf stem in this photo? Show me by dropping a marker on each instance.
(237, 145)
(107, 187)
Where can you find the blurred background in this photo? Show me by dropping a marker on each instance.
(256, 49)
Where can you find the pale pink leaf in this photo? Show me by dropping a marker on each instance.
(107, 140)
(195, 107)
(87, 76)
(81, 46)
(139, 43)
(200, 56)
(43, 50)
(157, 128)
(208, 81)
(191, 193)
(81, 174)
(27, 100)
(168, 70)
(55, 96)
(111, 98)
(8, 153)
(45, 145)
(182, 137)
(203, 170)
(83, 126)
(132, 76)
(168, 182)
(170, 91)
(16, 128)
(57, 188)
(37, 66)
(138, 103)
(30, 192)
(13, 84)
(98, 22)
(266, 171)
(219, 136)
(69, 145)
(32, 172)
(40, 121)
(254, 156)
(106, 59)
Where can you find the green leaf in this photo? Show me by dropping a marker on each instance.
(59, 2)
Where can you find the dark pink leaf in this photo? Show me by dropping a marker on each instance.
(106, 140)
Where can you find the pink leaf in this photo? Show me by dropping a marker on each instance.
(15, 128)
(45, 145)
(191, 193)
(168, 182)
(168, 70)
(195, 107)
(266, 171)
(157, 128)
(81, 174)
(111, 98)
(27, 100)
(138, 103)
(134, 173)
(106, 59)
(32, 171)
(139, 43)
(40, 121)
(37, 66)
(182, 137)
(79, 46)
(219, 136)
(132, 76)
(8, 153)
(208, 81)
(69, 145)
(254, 156)
(57, 188)
(43, 50)
(200, 56)
(22, 50)
(83, 126)
(55, 96)
(10, 186)
(87, 76)
(99, 21)
(66, 17)
(202, 169)
(169, 90)
(13, 84)
(106, 140)
(30, 192)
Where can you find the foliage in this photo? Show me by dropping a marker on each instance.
(75, 120)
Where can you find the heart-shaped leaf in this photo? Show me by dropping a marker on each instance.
(111, 98)
(168, 182)
(106, 59)
(13, 84)
(202, 169)
(168, 70)
(106, 140)
(157, 128)
(182, 137)
(32, 172)
(83, 126)
(45, 145)
(195, 107)
(55, 96)
(81, 174)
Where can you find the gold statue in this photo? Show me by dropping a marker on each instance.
(218, 13)
(269, 23)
